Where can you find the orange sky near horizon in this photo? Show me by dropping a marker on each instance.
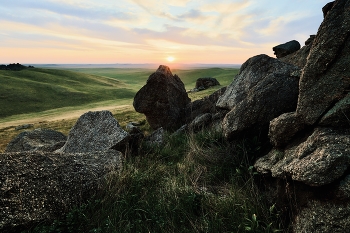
(150, 31)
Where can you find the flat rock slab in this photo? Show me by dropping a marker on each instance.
(94, 131)
(321, 159)
(38, 139)
(38, 186)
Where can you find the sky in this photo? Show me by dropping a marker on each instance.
(151, 31)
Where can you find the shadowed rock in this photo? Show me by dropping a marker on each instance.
(37, 140)
(283, 50)
(298, 58)
(321, 159)
(163, 100)
(204, 105)
(325, 77)
(206, 83)
(40, 186)
(94, 131)
(264, 89)
(327, 8)
(323, 216)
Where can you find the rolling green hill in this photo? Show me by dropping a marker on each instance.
(37, 90)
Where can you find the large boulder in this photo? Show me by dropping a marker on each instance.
(94, 131)
(321, 159)
(264, 89)
(39, 186)
(283, 50)
(324, 80)
(163, 100)
(38, 139)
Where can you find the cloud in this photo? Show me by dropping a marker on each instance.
(63, 8)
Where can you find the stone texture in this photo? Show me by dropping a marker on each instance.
(264, 89)
(278, 134)
(321, 159)
(94, 131)
(323, 216)
(38, 139)
(206, 82)
(299, 57)
(39, 186)
(310, 40)
(156, 138)
(327, 8)
(204, 105)
(163, 100)
(283, 50)
(201, 122)
(339, 115)
(325, 77)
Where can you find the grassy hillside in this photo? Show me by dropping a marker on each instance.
(35, 90)
(137, 77)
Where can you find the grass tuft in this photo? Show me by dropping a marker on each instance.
(193, 183)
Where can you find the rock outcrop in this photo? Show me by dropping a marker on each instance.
(37, 140)
(94, 131)
(312, 144)
(163, 100)
(264, 89)
(39, 186)
(204, 105)
(283, 50)
(205, 83)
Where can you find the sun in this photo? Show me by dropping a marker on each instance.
(170, 59)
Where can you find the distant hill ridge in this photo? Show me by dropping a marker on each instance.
(14, 67)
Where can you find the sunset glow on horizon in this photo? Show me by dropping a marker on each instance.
(147, 31)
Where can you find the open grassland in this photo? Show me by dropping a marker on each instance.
(55, 98)
(192, 183)
(32, 91)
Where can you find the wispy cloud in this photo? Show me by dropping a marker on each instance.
(157, 27)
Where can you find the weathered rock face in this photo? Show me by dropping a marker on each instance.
(313, 143)
(37, 140)
(163, 100)
(323, 216)
(202, 106)
(325, 77)
(310, 40)
(327, 8)
(206, 83)
(94, 131)
(299, 57)
(156, 138)
(264, 89)
(38, 186)
(321, 159)
(283, 50)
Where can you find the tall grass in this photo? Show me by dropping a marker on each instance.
(192, 183)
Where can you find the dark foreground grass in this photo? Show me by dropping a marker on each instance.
(192, 183)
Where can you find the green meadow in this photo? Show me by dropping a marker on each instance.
(193, 183)
(32, 91)
(55, 98)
